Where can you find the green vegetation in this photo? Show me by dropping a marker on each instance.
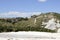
(25, 24)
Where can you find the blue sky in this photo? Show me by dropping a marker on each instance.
(28, 6)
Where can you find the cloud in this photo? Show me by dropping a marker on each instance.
(42, 0)
(36, 13)
(18, 14)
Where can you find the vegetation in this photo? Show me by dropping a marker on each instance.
(25, 24)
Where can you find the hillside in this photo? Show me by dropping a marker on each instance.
(45, 22)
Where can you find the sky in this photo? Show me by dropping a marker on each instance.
(25, 8)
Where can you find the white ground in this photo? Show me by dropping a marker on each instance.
(29, 36)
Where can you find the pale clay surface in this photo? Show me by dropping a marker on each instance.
(29, 36)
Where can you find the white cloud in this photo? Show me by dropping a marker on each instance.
(42, 0)
(36, 13)
(18, 14)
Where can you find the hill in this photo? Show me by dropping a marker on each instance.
(45, 22)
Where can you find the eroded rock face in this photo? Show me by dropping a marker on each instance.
(52, 24)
